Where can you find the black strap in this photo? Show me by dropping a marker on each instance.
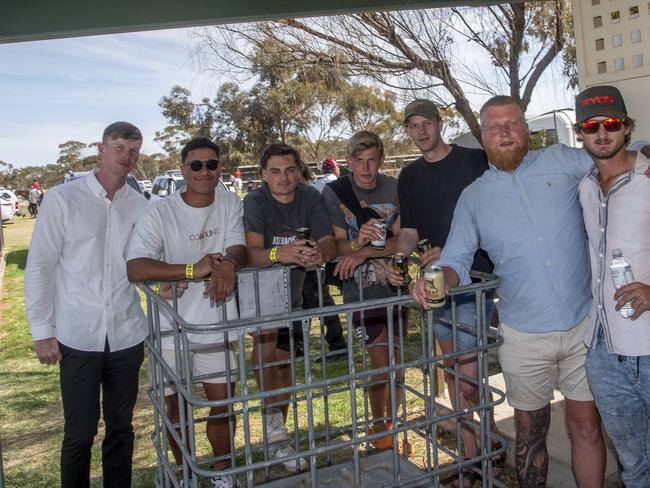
(343, 188)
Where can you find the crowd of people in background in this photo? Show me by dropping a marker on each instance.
(506, 210)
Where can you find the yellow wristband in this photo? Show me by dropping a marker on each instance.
(354, 246)
(273, 255)
(189, 271)
(156, 288)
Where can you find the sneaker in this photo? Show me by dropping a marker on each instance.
(223, 482)
(276, 431)
(280, 451)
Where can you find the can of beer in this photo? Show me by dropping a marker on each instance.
(303, 233)
(380, 243)
(423, 246)
(401, 265)
(434, 286)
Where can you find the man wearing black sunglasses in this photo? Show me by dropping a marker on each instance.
(193, 234)
(615, 198)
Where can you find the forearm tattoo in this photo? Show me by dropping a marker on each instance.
(531, 456)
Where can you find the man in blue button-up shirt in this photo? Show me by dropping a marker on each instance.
(524, 212)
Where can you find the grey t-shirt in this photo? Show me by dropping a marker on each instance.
(278, 222)
(382, 199)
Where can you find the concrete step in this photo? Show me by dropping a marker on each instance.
(559, 447)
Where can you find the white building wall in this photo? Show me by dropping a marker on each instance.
(613, 48)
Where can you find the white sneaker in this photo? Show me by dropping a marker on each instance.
(223, 482)
(276, 431)
(279, 451)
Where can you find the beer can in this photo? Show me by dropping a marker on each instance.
(401, 265)
(434, 286)
(380, 243)
(303, 233)
(423, 246)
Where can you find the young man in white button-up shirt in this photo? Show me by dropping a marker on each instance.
(84, 313)
(615, 197)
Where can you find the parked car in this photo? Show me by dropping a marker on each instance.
(146, 185)
(167, 183)
(10, 204)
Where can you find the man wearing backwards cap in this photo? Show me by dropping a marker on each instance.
(428, 189)
(615, 198)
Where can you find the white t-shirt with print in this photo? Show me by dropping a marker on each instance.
(173, 232)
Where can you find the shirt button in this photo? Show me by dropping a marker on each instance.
(601, 254)
(547, 263)
(602, 229)
(603, 205)
(598, 280)
(600, 306)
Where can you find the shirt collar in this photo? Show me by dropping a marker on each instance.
(499, 173)
(97, 189)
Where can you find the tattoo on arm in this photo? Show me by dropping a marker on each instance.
(531, 456)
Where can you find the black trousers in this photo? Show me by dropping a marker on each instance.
(83, 374)
(333, 329)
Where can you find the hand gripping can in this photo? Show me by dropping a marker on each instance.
(434, 286)
(380, 243)
(401, 265)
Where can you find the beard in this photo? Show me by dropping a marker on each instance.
(598, 152)
(508, 159)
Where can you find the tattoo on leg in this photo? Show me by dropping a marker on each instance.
(531, 456)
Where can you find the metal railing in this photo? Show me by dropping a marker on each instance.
(330, 415)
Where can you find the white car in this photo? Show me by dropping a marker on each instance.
(145, 185)
(10, 204)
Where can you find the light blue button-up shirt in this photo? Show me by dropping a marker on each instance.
(530, 223)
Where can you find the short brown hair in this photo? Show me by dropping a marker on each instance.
(279, 149)
(122, 130)
(363, 140)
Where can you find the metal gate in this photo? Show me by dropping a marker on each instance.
(329, 418)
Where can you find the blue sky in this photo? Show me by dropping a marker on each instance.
(60, 90)
(70, 89)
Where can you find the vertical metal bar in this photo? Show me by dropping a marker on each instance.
(320, 284)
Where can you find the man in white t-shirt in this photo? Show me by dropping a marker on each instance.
(190, 235)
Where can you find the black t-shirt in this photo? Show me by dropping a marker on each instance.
(278, 222)
(428, 193)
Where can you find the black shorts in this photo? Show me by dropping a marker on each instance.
(376, 320)
(283, 341)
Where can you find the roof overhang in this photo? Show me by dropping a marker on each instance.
(29, 20)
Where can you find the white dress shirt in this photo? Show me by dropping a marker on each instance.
(618, 220)
(76, 288)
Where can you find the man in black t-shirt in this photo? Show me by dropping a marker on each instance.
(271, 216)
(428, 190)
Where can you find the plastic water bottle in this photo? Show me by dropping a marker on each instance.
(621, 276)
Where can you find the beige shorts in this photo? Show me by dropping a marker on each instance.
(204, 362)
(535, 364)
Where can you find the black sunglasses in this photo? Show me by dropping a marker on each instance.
(197, 165)
(611, 125)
